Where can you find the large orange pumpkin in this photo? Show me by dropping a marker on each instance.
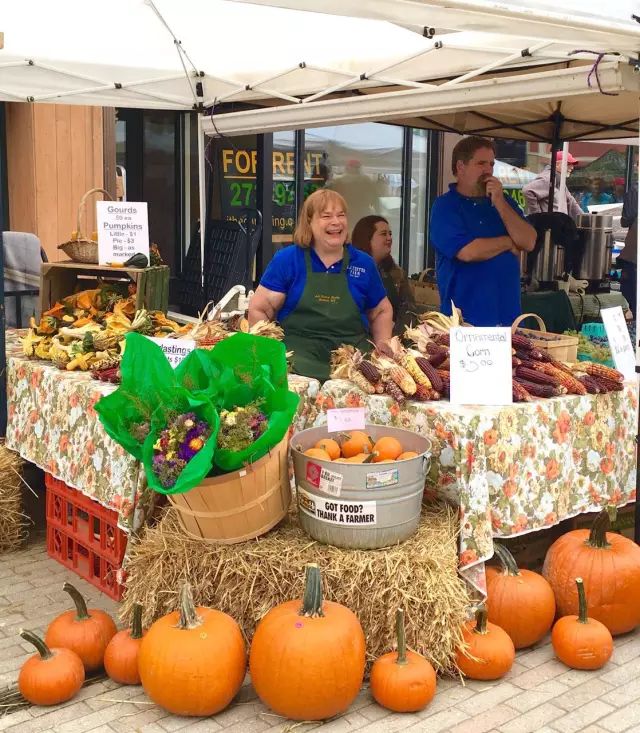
(192, 661)
(307, 660)
(490, 651)
(609, 565)
(121, 654)
(579, 641)
(85, 631)
(519, 601)
(402, 681)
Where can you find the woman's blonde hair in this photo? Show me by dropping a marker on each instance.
(318, 201)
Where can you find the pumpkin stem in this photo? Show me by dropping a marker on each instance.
(481, 620)
(189, 619)
(598, 533)
(77, 597)
(507, 560)
(43, 649)
(136, 622)
(401, 636)
(582, 602)
(312, 598)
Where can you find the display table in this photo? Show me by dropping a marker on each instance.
(52, 423)
(514, 469)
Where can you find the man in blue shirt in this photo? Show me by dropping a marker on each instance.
(478, 234)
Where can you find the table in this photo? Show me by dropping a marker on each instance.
(52, 423)
(515, 469)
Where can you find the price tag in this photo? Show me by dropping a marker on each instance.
(174, 349)
(480, 366)
(622, 351)
(346, 418)
(123, 230)
(330, 482)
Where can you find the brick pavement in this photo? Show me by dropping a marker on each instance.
(539, 694)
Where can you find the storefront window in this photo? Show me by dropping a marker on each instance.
(419, 194)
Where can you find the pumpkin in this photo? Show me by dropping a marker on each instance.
(579, 641)
(121, 654)
(407, 455)
(52, 675)
(329, 446)
(386, 448)
(307, 660)
(317, 453)
(402, 681)
(192, 661)
(86, 632)
(355, 442)
(490, 645)
(609, 565)
(519, 601)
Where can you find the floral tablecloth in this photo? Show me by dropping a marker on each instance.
(52, 423)
(514, 469)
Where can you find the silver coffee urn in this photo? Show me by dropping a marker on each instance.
(596, 234)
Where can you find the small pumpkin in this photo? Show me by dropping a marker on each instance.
(490, 652)
(519, 601)
(192, 661)
(307, 660)
(609, 565)
(86, 632)
(402, 681)
(121, 654)
(355, 442)
(579, 641)
(330, 446)
(317, 453)
(386, 448)
(407, 455)
(52, 675)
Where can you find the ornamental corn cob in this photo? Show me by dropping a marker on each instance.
(430, 372)
(392, 389)
(442, 339)
(600, 370)
(515, 362)
(446, 381)
(369, 370)
(566, 380)
(408, 362)
(360, 381)
(533, 375)
(403, 379)
(426, 395)
(590, 383)
(540, 390)
(608, 385)
(518, 341)
(519, 393)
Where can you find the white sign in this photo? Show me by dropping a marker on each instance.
(480, 366)
(346, 418)
(174, 349)
(346, 513)
(123, 230)
(622, 351)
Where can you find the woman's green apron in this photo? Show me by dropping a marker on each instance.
(325, 317)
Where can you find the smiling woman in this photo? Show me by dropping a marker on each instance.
(324, 292)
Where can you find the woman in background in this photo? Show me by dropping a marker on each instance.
(372, 234)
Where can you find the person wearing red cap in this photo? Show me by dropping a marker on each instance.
(536, 192)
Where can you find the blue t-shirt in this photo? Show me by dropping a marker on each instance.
(487, 292)
(287, 273)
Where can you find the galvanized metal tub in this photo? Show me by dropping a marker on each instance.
(360, 506)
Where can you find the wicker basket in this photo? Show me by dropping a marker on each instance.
(557, 345)
(81, 249)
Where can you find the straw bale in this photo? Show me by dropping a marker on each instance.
(12, 520)
(246, 580)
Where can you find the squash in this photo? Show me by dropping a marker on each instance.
(86, 632)
(121, 654)
(519, 601)
(51, 676)
(490, 652)
(402, 681)
(609, 565)
(579, 641)
(192, 661)
(307, 661)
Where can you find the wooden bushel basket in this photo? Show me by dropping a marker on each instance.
(240, 505)
(557, 345)
(425, 293)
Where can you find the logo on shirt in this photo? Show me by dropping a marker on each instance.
(321, 298)
(356, 271)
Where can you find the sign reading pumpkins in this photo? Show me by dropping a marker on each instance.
(123, 230)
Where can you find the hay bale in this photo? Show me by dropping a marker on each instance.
(246, 580)
(12, 521)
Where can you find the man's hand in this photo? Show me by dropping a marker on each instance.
(495, 191)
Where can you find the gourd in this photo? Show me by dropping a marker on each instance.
(121, 654)
(137, 260)
(52, 675)
(402, 681)
(490, 651)
(307, 659)
(519, 601)
(192, 661)
(86, 632)
(609, 565)
(579, 641)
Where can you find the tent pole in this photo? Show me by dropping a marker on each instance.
(202, 185)
(636, 531)
(555, 146)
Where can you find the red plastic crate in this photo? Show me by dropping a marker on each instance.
(84, 536)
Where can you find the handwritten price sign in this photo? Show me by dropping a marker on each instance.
(480, 366)
(345, 419)
(624, 355)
